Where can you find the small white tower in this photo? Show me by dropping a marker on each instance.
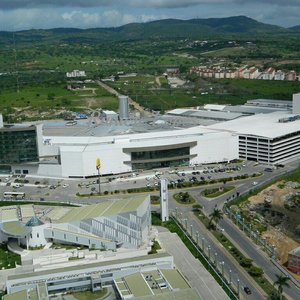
(123, 107)
(296, 104)
(164, 200)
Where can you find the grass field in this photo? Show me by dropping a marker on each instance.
(49, 101)
(8, 259)
(146, 91)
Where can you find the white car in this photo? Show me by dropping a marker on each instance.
(65, 185)
(254, 182)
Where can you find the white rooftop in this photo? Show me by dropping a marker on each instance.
(109, 112)
(266, 125)
(214, 107)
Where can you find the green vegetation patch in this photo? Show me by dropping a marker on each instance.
(155, 200)
(8, 259)
(216, 192)
(184, 198)
(155, 246)
(88, 295)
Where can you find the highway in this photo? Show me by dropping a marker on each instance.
(220, 255)
(237, 236)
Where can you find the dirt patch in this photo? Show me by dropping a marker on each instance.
(270, 203)
(283, 243)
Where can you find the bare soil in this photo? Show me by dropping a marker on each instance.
(282, 235)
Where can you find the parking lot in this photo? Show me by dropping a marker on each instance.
(36, 188)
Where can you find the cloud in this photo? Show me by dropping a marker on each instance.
(13, 4)
(20, 19)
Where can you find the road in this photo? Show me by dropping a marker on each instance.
(197, 276)
(259, 257)
(237, 236)
(136, 105)
(242, 187)
(220, 256)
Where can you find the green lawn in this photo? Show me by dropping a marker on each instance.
(88, 295)
(184, 198)
(216, 192)
(8, 259)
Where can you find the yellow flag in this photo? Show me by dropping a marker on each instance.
(98, 163)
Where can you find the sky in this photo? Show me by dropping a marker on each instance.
(44, 14)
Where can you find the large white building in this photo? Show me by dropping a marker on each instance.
(266, 134)
(106, 225)
(267, 138)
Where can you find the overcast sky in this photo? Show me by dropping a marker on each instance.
(41, 14)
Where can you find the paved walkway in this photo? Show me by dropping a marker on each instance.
(197, 276)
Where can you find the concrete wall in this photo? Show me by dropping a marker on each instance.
(36, 238)
(74, 238)
(30, 168)
(72, 162)
(50, 170)
(296, 104)
(215, 147)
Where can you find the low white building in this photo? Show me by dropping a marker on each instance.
(107, 225)
(75, 73)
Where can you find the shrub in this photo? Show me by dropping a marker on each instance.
(255, 271)
(246, 262)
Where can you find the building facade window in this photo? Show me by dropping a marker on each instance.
(18, 146)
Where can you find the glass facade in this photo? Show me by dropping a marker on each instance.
(147, 160)
(162, 164)
(158, 154)
(18, 145)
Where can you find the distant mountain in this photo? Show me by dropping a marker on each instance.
(295, 28)
(168, 28)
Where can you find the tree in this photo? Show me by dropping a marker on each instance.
(215, 217)
(197, 207)
(281, 282)
(255, 271)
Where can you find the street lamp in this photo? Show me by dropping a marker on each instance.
(216, 258)
(222, 267)
(208, 249)
(230, 276)
(191, 230)
(203, 244)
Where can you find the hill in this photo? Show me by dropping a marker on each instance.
(239, 26)
(295, 28)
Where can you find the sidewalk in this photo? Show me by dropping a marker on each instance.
(197, 276)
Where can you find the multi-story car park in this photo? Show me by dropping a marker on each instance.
(269, 137)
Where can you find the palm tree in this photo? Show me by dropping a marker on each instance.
(215, 216)
(281, 282)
